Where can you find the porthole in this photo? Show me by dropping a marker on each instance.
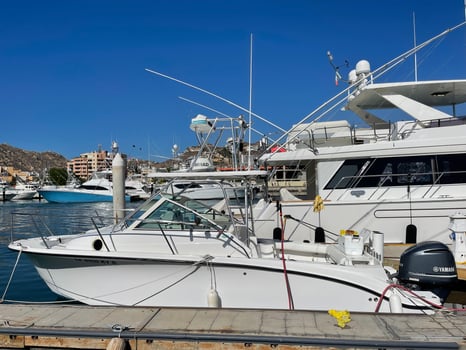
(97, 244)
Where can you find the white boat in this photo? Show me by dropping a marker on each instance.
(24, 191)
(6, 193)
(180, 253)
(403, 178)
(136, 188)
(207, 192)
(97, 189)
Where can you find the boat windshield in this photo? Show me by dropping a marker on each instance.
(178, 212)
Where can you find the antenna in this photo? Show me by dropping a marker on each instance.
(415, 44)
(250, 105)
(336, 68)
(216, 96)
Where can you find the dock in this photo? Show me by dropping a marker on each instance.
(85, 327)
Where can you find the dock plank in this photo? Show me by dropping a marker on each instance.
(85, 327)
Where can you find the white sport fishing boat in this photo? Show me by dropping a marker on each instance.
(404, 178)
(177, 252)
(99, 188)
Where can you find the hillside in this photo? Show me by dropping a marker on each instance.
(29, 160)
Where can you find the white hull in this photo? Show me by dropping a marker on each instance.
(24, 195)
(174, 281)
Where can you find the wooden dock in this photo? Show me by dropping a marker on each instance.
(84, 327)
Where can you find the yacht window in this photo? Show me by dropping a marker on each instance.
(347, 173)
(416, 171)
(451, 169)
(392, 171)
(93, 187)
(187, 185)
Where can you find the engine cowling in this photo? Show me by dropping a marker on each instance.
(429, 266)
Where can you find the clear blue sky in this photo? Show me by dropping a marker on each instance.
(72, 73)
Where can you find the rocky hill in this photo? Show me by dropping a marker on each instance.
(28, 160)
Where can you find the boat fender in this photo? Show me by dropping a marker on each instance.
(319, 235)
(213, 299)
(411, 233)
(395, 304)
(277, 233)
(117, 344)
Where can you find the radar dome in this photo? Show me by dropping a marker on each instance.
(363, 67)
(352, 76)
(200, 124)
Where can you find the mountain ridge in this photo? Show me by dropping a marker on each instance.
(30, 161)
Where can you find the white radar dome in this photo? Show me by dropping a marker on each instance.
(363, 67)
(200, 124)
(352, 76)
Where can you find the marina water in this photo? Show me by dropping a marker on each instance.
(21, 219)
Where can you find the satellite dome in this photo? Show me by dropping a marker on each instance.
(352, 76)
(363, 67)
(200, 124)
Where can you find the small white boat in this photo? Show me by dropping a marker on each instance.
(136, 188)
(24, 191)
(177, 252)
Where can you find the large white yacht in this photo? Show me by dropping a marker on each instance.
(404, 178)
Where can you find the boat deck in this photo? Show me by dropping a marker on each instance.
(85, 327)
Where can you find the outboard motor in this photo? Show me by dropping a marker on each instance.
(428, 266)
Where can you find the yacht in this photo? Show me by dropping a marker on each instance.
(405, 178)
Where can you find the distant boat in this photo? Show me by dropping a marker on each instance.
(5, 193)
(136, 187)
(97, 189)
(24, 191)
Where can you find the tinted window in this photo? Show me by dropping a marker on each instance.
(451, 169)
(392, 171)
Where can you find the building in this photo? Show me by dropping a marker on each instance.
(87, 163)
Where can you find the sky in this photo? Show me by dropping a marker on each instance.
(73, 73)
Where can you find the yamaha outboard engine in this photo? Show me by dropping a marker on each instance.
(428, 266)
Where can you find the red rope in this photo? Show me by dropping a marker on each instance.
(398, 286)
(285, 272)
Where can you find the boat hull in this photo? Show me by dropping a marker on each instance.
(24, 195)
(222, 282)
(76, 196)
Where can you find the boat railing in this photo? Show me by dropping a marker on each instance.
(47, 225)
(316, 135)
